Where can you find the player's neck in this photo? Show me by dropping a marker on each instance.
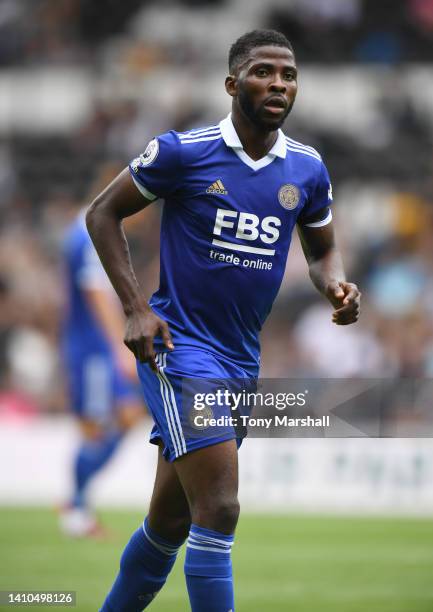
(255, 141)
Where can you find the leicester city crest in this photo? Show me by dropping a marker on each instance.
(146, 158)
(289, 196)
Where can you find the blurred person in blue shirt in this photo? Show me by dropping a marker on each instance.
(101, 372)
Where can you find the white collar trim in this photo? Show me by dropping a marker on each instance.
(232, 140)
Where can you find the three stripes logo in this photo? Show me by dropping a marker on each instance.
(217, 187)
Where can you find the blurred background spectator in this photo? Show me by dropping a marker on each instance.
(85, 85)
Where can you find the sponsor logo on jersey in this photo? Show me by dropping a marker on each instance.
(146, 158)
(289, 196)
(246, 227)
(217, 187)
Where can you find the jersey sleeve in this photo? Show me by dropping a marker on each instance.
(156, 171)
(317, 210)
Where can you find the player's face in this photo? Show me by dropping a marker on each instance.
(266, 86)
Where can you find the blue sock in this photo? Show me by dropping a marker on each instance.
(91, 457)
(208, 570)
(144, 567)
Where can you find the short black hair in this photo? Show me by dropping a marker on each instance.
(241, 48)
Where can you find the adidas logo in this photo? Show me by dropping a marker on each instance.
(217, 187)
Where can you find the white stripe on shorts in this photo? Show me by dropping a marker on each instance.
(168, 417)
(170, 407)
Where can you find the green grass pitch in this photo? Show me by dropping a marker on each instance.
(281, 563)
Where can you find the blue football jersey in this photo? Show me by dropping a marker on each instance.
(226, 230)
(82, 333)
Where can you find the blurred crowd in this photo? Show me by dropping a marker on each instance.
(68, 31)
(145, 67)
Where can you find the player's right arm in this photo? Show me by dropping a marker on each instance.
(121, 199)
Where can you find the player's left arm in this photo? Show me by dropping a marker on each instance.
(327, 272)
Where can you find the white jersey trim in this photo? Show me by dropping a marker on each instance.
(198, 131)
(304, 152)
(201, 139)
(145, 192)
(321, 223)
(295, 143)
(233, 141)
(191, 136)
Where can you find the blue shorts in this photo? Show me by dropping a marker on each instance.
(97, 387)
(164, 393)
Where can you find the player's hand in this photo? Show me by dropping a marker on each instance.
(345, 297)
(141, 329)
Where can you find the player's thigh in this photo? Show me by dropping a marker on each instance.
(169, 512)
(209, 475)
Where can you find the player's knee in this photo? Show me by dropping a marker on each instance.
(172, 527)
(228, 515)
(178, 528)
(222, 514)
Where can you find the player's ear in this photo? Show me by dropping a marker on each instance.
(231, 85)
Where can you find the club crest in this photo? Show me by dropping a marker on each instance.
(289, 196)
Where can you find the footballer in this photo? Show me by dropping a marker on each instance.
(233, 192)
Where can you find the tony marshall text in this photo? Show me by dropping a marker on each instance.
(203, 421)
